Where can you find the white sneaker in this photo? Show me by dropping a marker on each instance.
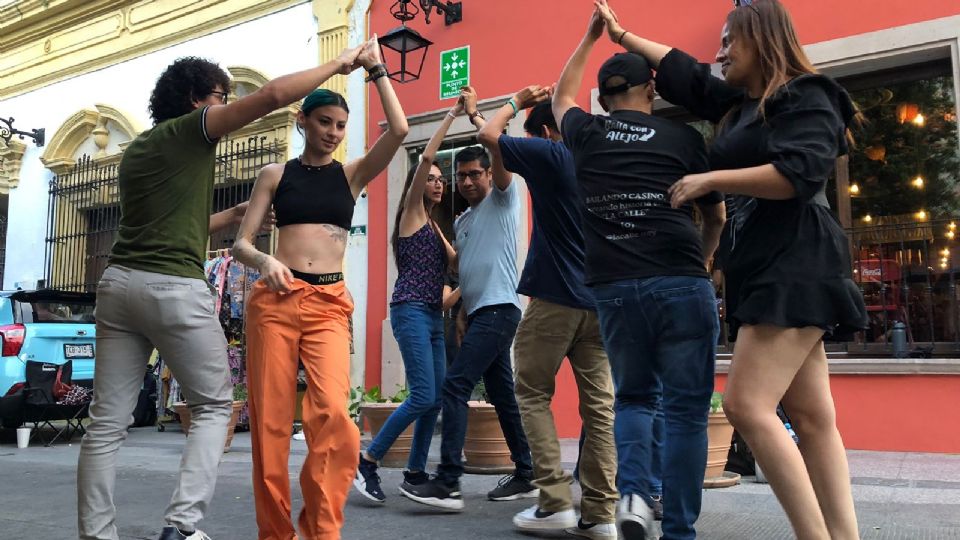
(596, 531)
(635, 518)
(532, 519)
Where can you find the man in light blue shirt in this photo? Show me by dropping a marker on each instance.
(487, 251)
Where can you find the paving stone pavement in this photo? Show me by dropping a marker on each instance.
(898, 496)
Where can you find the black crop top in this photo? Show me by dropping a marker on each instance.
(309, 194)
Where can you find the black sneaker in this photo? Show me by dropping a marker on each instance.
(411, 478)
(657, 507)
(367, 481)
(435, 493)
(172, 533)
(512, 487)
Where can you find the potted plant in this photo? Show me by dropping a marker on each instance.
(485, 448)
(719, 435)
(239, 400)
(376, 409)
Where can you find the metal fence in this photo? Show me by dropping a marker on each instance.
(83, 213)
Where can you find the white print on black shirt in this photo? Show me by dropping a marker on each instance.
(627, 133)
(624, 209)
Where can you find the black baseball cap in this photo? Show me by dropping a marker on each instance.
(631, 66)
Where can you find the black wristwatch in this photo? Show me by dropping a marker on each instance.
(375, 72)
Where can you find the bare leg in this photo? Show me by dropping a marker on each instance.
(810, 405)
(765, 361)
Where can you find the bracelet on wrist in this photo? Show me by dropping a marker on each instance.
(376, 72)
(473, 116)
(622, 35)
(451, 115)
(516, 109)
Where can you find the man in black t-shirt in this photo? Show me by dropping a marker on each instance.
(647, 264)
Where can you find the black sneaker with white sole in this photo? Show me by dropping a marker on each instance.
(367, 481)
(413, 478)
(434, 493)
(512, 487)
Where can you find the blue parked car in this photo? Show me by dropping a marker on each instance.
(46, 326)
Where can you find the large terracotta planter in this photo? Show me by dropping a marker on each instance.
(376, 415)
(485, 447)
(719, 434)
(184, 413)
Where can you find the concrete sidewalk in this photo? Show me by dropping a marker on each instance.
(898, 496)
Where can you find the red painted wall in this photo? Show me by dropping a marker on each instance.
(514, 44)
(897, 413)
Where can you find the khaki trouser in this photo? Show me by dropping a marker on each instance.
(137, 311)
(310, 323)
(547, 334)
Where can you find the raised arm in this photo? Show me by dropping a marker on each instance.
(277, 276)
(361, 171)
(681, 80)
(564, 97)
(414, 214)
(651, 50)
(489, 135)
(280, 92)
(501, 177)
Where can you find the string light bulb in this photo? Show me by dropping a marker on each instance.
(921, 215)
(854, 189)
(951, 235)
(917, 182)
(945, 252)
(919, 120)
(867, 218)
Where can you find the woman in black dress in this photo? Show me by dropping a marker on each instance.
(788, 271)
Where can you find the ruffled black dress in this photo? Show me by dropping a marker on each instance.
(786, 262)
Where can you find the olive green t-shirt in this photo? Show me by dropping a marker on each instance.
(166, 194)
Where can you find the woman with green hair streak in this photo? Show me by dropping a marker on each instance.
(300, 310)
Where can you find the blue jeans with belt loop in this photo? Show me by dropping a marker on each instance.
(660, 334)
(418, 329)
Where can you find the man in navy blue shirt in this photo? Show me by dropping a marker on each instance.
(560, 322)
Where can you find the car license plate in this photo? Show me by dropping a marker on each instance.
(83, 350)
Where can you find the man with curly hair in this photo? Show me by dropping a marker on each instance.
(153, 294)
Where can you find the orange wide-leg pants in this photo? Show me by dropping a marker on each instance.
(311, 324)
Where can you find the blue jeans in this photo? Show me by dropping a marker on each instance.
(660, 334)
(484, 353)
(418, 329)
(656, 482)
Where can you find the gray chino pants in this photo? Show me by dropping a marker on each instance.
(138, 311)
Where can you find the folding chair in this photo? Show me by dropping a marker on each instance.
(35, 403)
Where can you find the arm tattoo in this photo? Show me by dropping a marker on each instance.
(339, 234)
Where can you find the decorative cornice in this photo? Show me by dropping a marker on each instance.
(11, 154)
(61, 152)
(44, 41)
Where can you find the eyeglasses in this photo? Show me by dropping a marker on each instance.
(747, 3)
(435, 178)
(474, 175)
(223, 96)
